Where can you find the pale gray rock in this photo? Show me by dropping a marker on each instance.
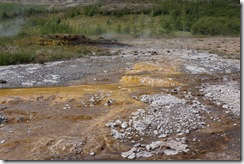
(3, 119)
(129, 153)
(117, 134)
(170, 152)
(124, 125)
(92, 153)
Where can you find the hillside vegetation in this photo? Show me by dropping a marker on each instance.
(20, 24)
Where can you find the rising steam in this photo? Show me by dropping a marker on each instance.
(11, 27)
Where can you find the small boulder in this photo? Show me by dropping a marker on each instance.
(92, 153)
(124, 125)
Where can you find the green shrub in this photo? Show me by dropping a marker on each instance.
(167, 25)
(72, 13)
(157, 12)
(31, 11)
(126, 30)
(55, 25)
(99, 30)
(187, 13)
(90, 10)
(119, 14)
(216, 26)
(7, 58)
(4, 16)
(105, 12)
(40, 54)
(11, 10)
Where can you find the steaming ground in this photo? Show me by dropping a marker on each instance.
(146, 103)
(11, 27)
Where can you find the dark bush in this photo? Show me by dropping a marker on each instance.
(55, 25)
(105, 12)
(4, 16)
(90, 10)
(157, 12)
(7, 58)
(216, 26)
(167, 25)
(119, 14)
(31, 11)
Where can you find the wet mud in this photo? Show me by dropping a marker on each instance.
(86, 118)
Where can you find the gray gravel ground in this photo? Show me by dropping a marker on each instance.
(226, 95)
(63, 72)
(168, 118)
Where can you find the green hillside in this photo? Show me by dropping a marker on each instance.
(21, 24)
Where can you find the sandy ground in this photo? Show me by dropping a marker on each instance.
(94, 109)
(228, 47)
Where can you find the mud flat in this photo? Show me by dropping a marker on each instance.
(146, 103)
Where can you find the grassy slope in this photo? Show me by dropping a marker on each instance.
(17, 49)
(11, 8)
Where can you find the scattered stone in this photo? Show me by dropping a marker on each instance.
(92, 153)
(218, 103)
(3, 119)
(175, 91)
(148, 147)
(158, 120)
(138, 112)
(154, 53)
(118, 122)
(70, 100)
(111, 124)
(228, 93)
(166, 115)
(129, 154)
(109, 102)
(136, 53)
(225, 106)
(117, 134)
(141, 111)
(170, 152)
(208, 95)
(183, 140)
(137, 145)
(124, 125)
(2, 141)
(170, 147)
(155, 132)
(162, 136)
(155, 145)
(144, 154)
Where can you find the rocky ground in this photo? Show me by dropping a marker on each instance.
(161, 99)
